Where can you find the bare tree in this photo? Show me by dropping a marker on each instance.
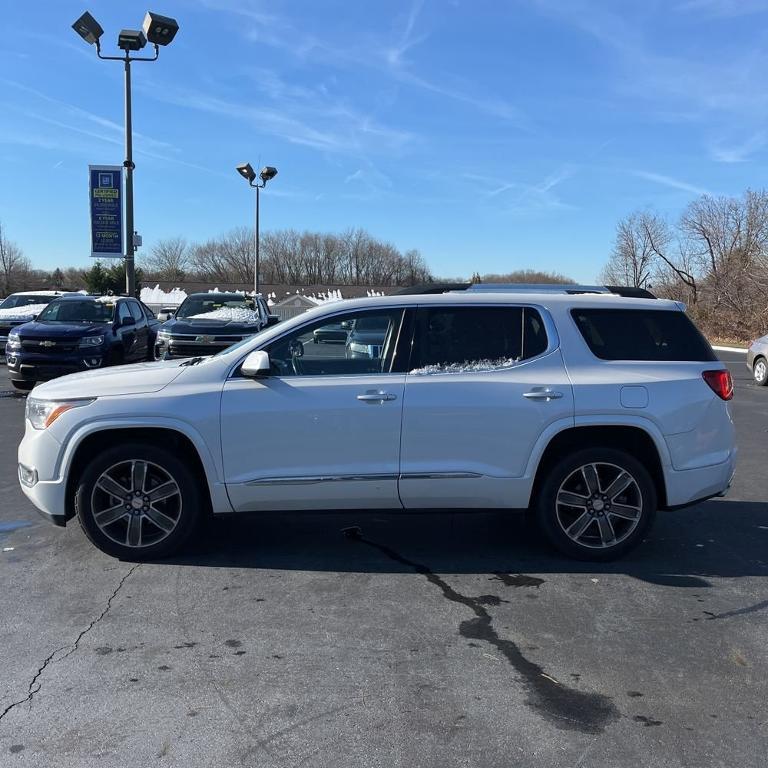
(169, 259)
(631, 261)
(14, 266)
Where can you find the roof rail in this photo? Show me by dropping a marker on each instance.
(538, 288)
(431, 288)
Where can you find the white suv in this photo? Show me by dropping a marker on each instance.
(591, 409)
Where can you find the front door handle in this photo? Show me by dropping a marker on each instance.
(372, 396)
(542, 393)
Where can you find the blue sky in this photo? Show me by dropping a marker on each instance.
(489, 134)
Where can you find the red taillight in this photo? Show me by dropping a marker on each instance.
(720, 383)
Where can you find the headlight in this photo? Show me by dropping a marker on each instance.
(92, 341)
(14, 343)
(42, 413)
(163, 336)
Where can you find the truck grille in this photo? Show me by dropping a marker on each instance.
(48, 346)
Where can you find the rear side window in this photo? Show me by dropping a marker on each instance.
(455, 339)
(642, 334)
(135, 309)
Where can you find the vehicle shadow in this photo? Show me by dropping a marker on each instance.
(715, 539)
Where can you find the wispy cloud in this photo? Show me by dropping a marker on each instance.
(723, 8)
(523, 197)
(384, 56)
(669, 181)
(738, 152)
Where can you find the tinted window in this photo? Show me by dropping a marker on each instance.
(148, 312)
(642, 334)
(85, 311)
(122, 309)
(327, 348)
(453, 338)
(135, 309)
(24, 301)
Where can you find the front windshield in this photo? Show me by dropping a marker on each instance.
(26, 300)
(78, 312)
(194, 306)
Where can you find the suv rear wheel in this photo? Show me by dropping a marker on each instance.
(596, 504)
(760, 371)
(137, 501)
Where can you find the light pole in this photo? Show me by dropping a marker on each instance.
(266, 174)
(158, 30)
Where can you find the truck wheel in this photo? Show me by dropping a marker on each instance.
(596, 504)
(138, 502)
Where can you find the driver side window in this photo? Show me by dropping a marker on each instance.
(350, 344)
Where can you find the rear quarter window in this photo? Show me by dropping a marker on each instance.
(642, 334)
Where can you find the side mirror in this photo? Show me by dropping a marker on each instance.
(272, 320)
(256, 365)
(130, 320)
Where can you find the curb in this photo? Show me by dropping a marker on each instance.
(730, 349)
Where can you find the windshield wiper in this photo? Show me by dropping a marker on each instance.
(193, 361)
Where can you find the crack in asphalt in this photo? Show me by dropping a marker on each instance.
(31, 689)
(565, 707)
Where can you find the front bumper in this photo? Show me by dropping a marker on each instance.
(24, 367)
(40, 452)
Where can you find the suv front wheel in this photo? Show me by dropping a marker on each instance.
(137, 501)
(596, 504)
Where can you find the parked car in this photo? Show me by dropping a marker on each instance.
(366, 337)
(592, 410)
(20, 308)
(334, 333)
(757, 360)
(207, 323)
(79, 332)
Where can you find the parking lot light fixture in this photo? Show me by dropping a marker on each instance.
(158, 30)
(246, 171)
(88, 28)
(266, 174)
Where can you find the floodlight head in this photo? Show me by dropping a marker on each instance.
(246, 171)
(268, 173)
(88, 28)
(131, 40)
(159, 30)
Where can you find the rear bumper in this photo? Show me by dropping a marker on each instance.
(686, 487)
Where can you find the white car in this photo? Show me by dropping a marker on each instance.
(20, 308)
(592, 409)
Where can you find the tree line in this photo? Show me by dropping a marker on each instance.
(287, 257)
(713, 257)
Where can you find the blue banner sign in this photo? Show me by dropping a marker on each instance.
(106, 205)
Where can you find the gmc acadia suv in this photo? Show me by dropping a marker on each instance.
(591, 409)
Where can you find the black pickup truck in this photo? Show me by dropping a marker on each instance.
(76, 333)
(206, 323)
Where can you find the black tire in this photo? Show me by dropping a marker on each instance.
(116, 357)
(567, 481)
(760, 371)
(184, 509)
(23, 386)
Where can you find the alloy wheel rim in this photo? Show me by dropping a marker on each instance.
(760, 370)
(136, 503)
(599, 505)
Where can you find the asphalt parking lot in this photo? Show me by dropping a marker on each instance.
(433, 640)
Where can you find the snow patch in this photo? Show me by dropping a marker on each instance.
(156, 295)
(30, 312)
(468, 366)
(230, 314)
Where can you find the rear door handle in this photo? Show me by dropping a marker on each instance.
(542, 393)
(376, 397)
